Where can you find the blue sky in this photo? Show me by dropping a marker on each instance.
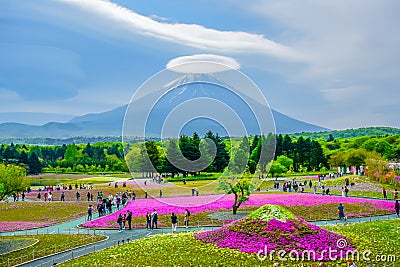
(331, 63)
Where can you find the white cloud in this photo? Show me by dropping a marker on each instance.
(352, 52)
(340, 38)
(203, 63)
(111, 15)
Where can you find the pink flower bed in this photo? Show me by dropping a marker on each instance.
(320, 241)
(16, 226)
(212, 203)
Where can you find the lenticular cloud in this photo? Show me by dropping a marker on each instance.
(203, 63)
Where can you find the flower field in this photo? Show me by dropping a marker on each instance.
(300, 204)
(15, 226)
(259, 229)
(25, 215)
(184, 249)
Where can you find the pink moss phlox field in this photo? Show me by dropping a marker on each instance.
(318, 241)
(200, 204)
(16, 226)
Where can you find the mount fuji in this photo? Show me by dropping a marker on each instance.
(175, 94)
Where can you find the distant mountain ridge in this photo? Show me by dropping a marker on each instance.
(110, 124)
(348, 133)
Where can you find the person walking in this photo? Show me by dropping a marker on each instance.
(148, 220)
(397, 207)
(90, 211)
(78, 196)
(174, 222)
(119, 221)
(343, 193)
(160, 193)
(154, 219)
(100, 208)
(88, 196)
(129, 220)
(396, 194)
(341, 212)
(39, 196)
(315, 189)
(384, 193)
(186, 218)
(62, 196)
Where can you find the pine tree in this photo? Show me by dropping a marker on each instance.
(35, 167)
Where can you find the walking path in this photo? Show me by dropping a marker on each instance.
(118, 238)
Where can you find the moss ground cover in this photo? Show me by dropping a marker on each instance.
(48, 244)
(25, 215)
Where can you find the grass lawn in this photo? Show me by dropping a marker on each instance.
(183, 249)
(381, 237)
(40, 212)
(48, 244)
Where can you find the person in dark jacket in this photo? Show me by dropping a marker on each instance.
(119, 221)
(174, 222)
(341, 212)
(129, 219)
(148, 220)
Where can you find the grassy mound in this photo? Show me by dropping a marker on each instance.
(274, 228)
